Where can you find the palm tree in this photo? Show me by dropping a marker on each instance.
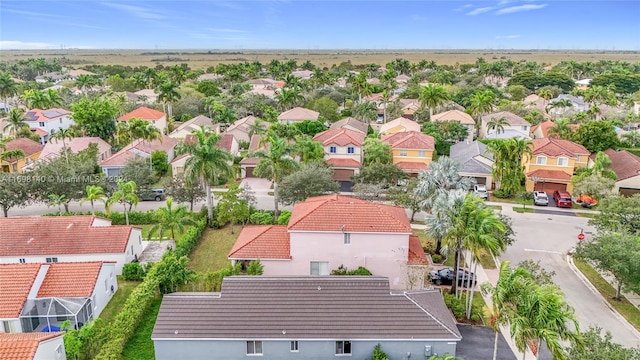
(562, 103)
(63, 134)
(433, 96)
(497, 124)
(53, 98)
(93, 193)
(481, 103)
(632, 137)
(57, 200)
(507, 169)
(207, 163)
(16, 121)
(34, 99)
(386, 97)
(443, 175)
(168, 93)
(309, 150)
(275, 164)
(360, 85)
(365, 111)
(172, 219)
(256, 128)
(84, 81)
(560, 129)
(545, 94)
(150, 76)
(125, 195)
(8, 87)
(288, 98)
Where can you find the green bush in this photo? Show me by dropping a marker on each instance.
(255, 268)
(457, 307)
(501, 194)
(117, 218)
(436, 258)
(283, 218)
(133, 272)
(188, 241)
(360, 271)
(379, 354)
(261, 218)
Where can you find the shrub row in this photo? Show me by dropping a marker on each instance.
(188, 241)
(342, 270)
(118, 218)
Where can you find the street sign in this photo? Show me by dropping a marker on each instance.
(581, 236)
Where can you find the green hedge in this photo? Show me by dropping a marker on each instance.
(117, 218)
(188, 241)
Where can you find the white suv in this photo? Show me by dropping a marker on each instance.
(540, 198)
(481, 191)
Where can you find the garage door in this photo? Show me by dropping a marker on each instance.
(249, 171)
(550, 187)
(629, 192)
(342, 174)
(481, 180)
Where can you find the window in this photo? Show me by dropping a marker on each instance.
(422, 153)
(294, 345)
(563, 161)
(111, 275)
(403, 152)
(22, 261)
(52, 259)
(41, 123)
(343, 347)
(139, 240)
(332, 149)
(541, 160)
(579, 159)
(347, 238)
(351, 150)
(60, 120)
(319, 268)
(106, 286)
(254, 347)
(132, 249)
(524, 128)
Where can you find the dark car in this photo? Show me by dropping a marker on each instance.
(152, 194)
(445, 276)
(562, 199)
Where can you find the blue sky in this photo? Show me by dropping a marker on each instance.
(299, 24)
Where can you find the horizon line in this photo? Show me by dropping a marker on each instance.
(326, 49)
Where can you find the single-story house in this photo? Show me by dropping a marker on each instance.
(476, 159)
(297, 114)
(53, 149)
(307, 317)
(227, 142)
(460, 116)
(398, 125)
(194, 124)
(37, 297)
(627, 168)
(141, 148)
(31, 149)
(241, 128)
(157, 118)
(53, 239)
(32, 346)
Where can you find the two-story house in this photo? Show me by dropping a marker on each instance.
(54, 148)
(343, 151)
(351, 124)
(31, 150)
(552, 164)
(157, 118)
(227, 142)
(476, 159)
(297, 114)
(45, 123)
(626, 166)
(515, 127)
(398, 125)
(412, 150)
(196, 123)
(326, 232)
(458, 116)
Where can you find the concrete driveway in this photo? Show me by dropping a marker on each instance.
(548, 239)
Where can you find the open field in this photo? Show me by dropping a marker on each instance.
(201, 59)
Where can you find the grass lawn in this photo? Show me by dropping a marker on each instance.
(624, 307)
(117, 301)
(525, 210)
(211, 253)
(586, 215)
(511, 200)
(478, 301)
(140, 346)
(486, 260)
(165, 234)
(495, 207)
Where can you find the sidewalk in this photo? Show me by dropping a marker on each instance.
(509, 207)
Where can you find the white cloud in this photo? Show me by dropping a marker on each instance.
(463, 7)
(24, 45)
(137, 11)
(481, 10)
(418, 17)
(507, 36)
(227, 30)
(520, 8)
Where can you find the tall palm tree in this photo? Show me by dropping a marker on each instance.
(34, 99)
(309, 150)
(433, 96)
(207, 163)
(16, 122)
(497, 124)
(172, 219)
(53, 98)
(168, 94)
(8, 87)
(57, 200)
(507, 168)
(545, 94)
(288, 98)
(365, 111)
(560, 129)
(150, 75)
(443, 175)
(386, 97)
(275, 164)
(63, 134)
(481, 103)
(360, 85)
(84, 81)
(126, 196)
(93, 193)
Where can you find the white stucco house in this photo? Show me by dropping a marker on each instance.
(157, 118)
(37, 297)
(458, 116)
(515, 127)
(627, 168)
(45, 123)
(326, 232)
(51, 239)
(32, 346)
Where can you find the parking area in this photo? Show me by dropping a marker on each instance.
(477, 344)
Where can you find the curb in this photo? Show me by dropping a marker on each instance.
(593, 289)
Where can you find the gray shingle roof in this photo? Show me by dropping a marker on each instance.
(464, 152)
(314, 307)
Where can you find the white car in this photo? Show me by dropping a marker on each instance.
(540, 198)
(481, 191)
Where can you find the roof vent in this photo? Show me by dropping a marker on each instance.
(319, 288)
(30, 240)
(69, 226)
(176, 332)
(284, 332)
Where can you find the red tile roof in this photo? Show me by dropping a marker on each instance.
(557, 147)
(544, 127)
(16, 281)
(299, 114)
(143, 113)
(262, 242)
(410, 140)
(28, 146)
(416, 254)
(250, 161)
(70, 279)
(120, 158)
(54, 147)
(226, 142)
(413, 167)
(23, 346)
(45, 115)
(550, 174)
(40, 132)
(345, 213)
(625, 164)
(344, 162)
(340, 137)
(60, 235)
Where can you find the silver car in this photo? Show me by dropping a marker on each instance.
(481, 191)
(540, 198)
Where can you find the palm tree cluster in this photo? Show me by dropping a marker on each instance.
(534, 312)
(508, 169)
(136, 128)
(46, 99)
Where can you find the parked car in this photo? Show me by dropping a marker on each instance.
(562, 199)
(445, 276)
(481, 191)
(540, 198)
(152, 194)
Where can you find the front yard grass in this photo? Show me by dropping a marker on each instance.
(211, 253)
(586, 215)
(523, 210)
(140, 345)
(511, 200)
(624, 307)
(117, 301)
(166, 235)
(495, 207)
